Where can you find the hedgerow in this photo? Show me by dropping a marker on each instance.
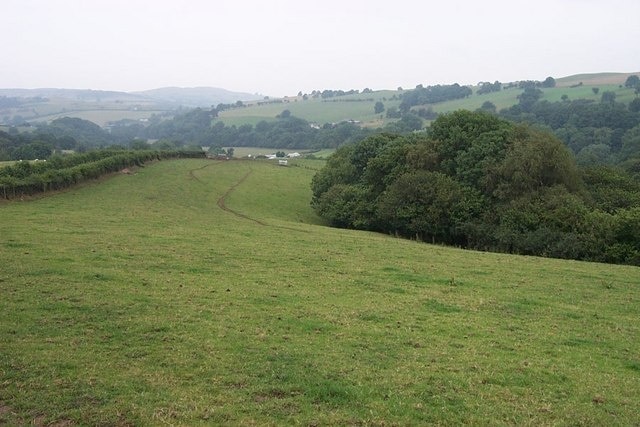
(27, 178)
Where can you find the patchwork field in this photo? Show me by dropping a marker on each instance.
(199, 292)
(361, 106)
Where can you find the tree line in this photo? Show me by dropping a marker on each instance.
(478, 181)
(26, 178)
(605, 132)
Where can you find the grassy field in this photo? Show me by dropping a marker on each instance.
(103, 117)
(197, 292)
(333, 110)
(97, 111)
(360, 106)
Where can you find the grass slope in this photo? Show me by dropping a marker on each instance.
(141, 301)
(361, 106)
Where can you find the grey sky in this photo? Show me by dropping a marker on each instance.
(279, 47)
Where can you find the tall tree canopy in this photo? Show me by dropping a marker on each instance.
(478, 181)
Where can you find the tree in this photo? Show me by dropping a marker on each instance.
(634, 105)
(408, 123)
(393, 113)
(138, 144)
(345, 205)
(429, 206)
(34, 150)
(489, 87)
(285, 114)
(595, 90)
(594, 154)
(489, 107)
(530, 96)
(478, 181)
(534, 160)
(230, 151)
(608, 97)
(630, 143)
(632, 81)
(549, 82)
(378, 108)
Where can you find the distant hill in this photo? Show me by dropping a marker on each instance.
(87, 95)
(103, 107)
(197, 96)
(187, 97)
(594, 79)
(360, 107)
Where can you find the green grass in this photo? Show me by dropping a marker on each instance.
(328, 111)
(331, 110)
(99, 112)
(137, 300)
(103, 117)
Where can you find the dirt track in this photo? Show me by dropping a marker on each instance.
(223, 206)
(222, 199)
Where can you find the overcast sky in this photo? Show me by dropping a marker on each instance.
(279, 47)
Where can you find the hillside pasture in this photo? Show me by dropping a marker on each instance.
(347, 107)
(331, 110)
(594, 79)
(208, 292)
(103, 117)
(96, 110)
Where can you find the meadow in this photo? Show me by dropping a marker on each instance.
(361, 106)
(197, 292)
(332, 110)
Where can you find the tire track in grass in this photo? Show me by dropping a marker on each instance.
(192, 172)
(222, 203)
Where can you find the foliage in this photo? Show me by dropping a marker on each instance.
(487, 87)
(632, 81)
(84, 132)
(290, 132)
(549, 82)
(598, 128)
(25, 178)
(478, 181)
(432, 94)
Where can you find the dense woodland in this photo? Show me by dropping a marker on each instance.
(478, 181)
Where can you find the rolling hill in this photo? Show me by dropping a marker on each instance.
(197, 96)
(102, 107)
(360, 107)
(196, 292)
